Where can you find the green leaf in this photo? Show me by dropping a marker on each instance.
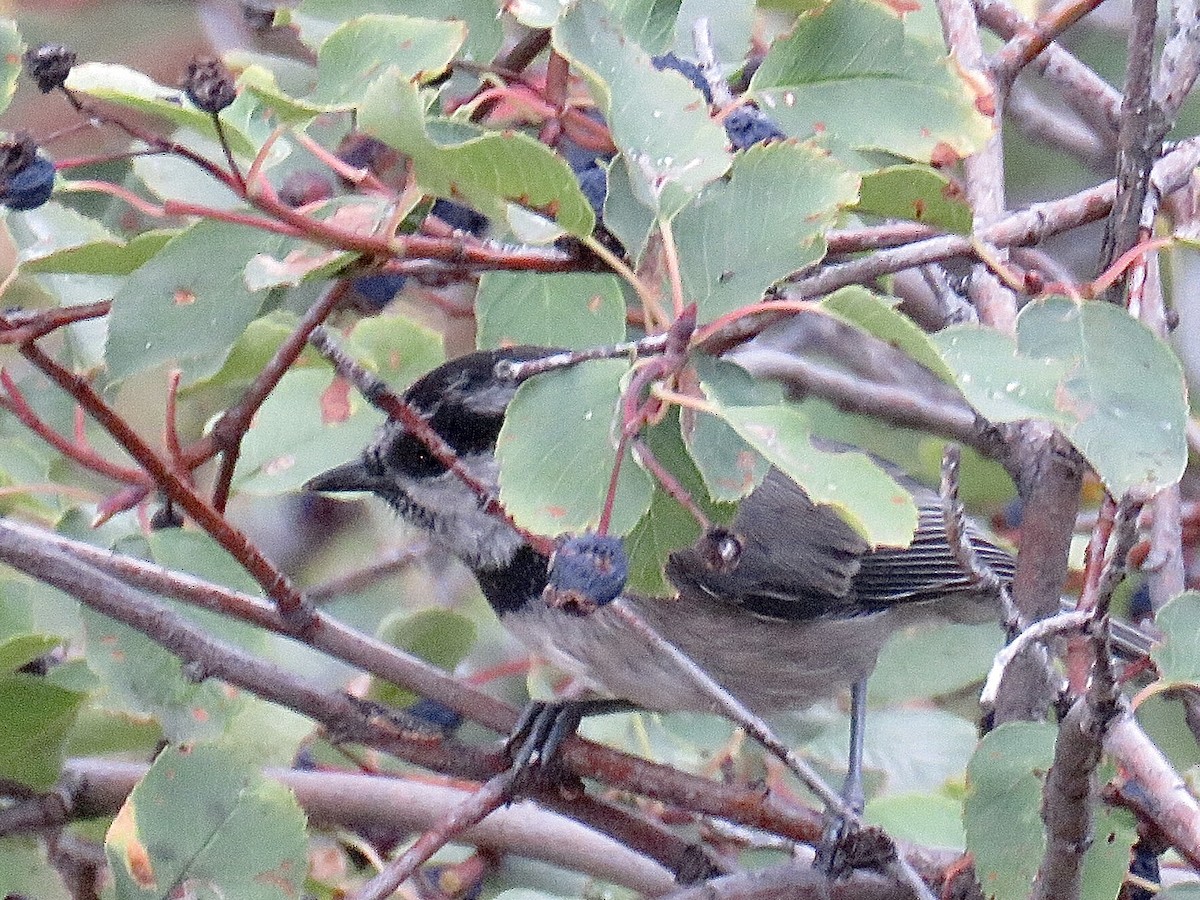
(298, 260)
(310, 423)
(36, 716)
(1125, 390)
(921, 662)
(51, 228)
(396, 349)
(1177, 655)
(916, 193)
(438, 636)
(659, 121)
(141, 677)
(766, 221)
(203, 819)
(667, 525)
(877, 316)
(26, 872)
(106, 256)
(264, 85)
(359, 51)
(536, 13)
(317, 20)
(11, 48)
(21, 649)
(848, 73)
(1001, 384)
(929, 820)
(1002, 809)
(549, 310)
(487, 169)
(135, 90)
(171, 177)
(731, 23)
(1114, 832)
(624, 216)
(104, 731)
(557, 450)
(730, 467)
(196, 553)
(863, 494)
(23, 462)
(1185, 890)
(189, 303)
(648, 23)
(253, 350)
(915, 749)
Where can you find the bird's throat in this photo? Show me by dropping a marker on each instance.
(508, 588)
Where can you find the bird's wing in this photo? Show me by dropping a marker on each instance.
(801, 561)
(928, 569)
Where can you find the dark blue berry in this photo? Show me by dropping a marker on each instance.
(1140, 605)
(1143, 865)
(460, 218)
(747, 126)
(688, 70)
(435, 714)
(29, 187)
(586, 572)
(593, 181)
(381, 289)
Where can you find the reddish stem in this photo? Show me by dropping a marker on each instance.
(171, 425)
(16, 404)
(174, 484)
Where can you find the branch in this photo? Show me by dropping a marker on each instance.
(1089, 95)
(175, 485)
(1139, 141)
(99, 787)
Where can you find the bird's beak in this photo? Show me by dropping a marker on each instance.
(351, 476)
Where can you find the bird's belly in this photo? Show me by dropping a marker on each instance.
(768, 665)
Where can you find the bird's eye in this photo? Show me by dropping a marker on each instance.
(410, 456)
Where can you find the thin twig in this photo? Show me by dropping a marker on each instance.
(472, 810)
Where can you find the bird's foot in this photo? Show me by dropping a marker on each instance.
(847, 846)
(538, 737)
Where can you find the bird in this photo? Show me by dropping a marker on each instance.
(804, 611)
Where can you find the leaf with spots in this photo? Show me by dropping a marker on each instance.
(189, 303)
(489, 169)
(204, 821)
(850, 74)
(864, 495)
(557, 450)
(766, 221)
(549, 310)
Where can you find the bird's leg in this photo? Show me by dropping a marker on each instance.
(830, 856)
(852, 789)
(544, 726)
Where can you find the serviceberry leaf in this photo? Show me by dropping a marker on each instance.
(848, 71)
(742, 235)
(489, 170)
(557, 451)
(659, 121)
(549, 310)
(1125, 412)
(360, 50)
(316, 20)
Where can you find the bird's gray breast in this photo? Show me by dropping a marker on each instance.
(768, 665)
